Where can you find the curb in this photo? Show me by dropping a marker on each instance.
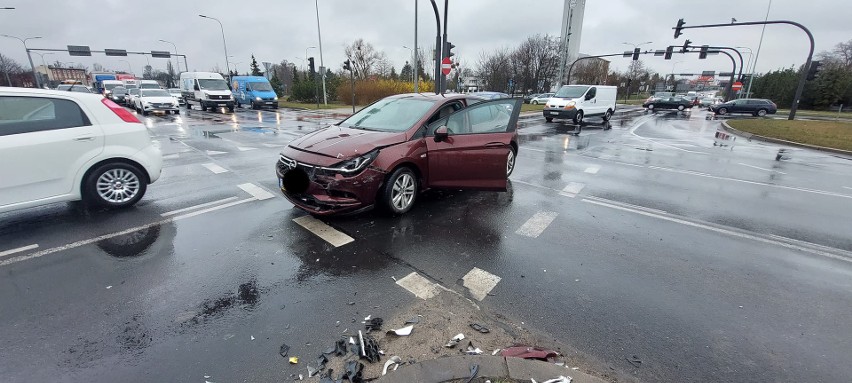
(492, 367)
(750, 137)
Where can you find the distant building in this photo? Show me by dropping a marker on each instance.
(56, 75)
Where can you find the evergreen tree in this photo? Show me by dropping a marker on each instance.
(393, 75)
(255, 69)
(407, 72)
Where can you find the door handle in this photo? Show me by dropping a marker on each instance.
(84, 138)
(494, 145)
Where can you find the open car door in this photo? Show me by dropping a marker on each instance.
(470, 148)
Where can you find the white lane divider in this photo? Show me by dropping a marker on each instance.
(171, 156)
(593, 169)
(480, 282)
(245, 148)
(785, 242)
(18, 250)
(257, 192)
(273, 145)
(216, 169)
(572, 189)
(199, 206)
(537, 224)
(759, 168)
(418, 285)
(847, 187)
(213, 152)
(320, 229)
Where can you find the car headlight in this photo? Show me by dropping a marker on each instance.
(276, 98)
(258, 99)
(205, 95)
(354, 165)
(570, 105)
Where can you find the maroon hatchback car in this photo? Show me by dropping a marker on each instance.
(393, 149)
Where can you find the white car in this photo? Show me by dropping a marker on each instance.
(175, 92)
(155, 100)
(68, 146)
(130, 98)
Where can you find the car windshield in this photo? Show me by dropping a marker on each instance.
(129, 86)
(174, 90)
(261, 86)
(155, 93)
(571, 91)
(389, 115)
(212, 84)
(119, 90)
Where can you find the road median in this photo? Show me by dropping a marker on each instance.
(830, 136)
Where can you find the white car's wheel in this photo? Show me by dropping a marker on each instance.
(115, 185)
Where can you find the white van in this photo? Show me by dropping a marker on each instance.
(205, 89)
(576, 102)
(109, 85)
(149, 84)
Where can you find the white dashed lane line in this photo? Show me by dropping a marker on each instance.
(199, 206)
(257, 192)
(419, 286)
(480, 282)
(320, 229)
(213, 152)
(573, 189)
(537, 224)
(216, 169)
(18, 250)
(759, 168)
(593, 169)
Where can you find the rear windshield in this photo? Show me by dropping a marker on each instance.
(110, 86)
(571, 91)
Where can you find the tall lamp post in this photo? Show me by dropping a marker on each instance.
(176, 53)
(129, 67)
(630, 79)
(751, 70)
(30, 57)
(322, 66)
(414, 72)
(674, 83)
(224, 44)
(2, 62)
(46, 71)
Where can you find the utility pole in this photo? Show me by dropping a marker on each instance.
(322, 66)
(416, 66)
(759, 44)
(437, 56)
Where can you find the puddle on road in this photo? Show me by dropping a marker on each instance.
(246, 298)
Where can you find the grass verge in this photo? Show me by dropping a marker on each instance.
(815, 113)
(311, 106)
(832, 134)
(532, 108)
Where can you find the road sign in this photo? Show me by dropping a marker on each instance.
(115, 52)
(446, 65)
(161, 54)
(79, 50)
(737, 86)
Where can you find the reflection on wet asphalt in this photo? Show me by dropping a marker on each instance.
(639, 258)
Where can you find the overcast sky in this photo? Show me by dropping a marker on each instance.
(273, 30)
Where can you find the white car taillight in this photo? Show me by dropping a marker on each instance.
(120, 112)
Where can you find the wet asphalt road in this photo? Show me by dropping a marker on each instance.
(706, 259)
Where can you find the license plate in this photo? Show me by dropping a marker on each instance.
(281, 184)
(552, 112)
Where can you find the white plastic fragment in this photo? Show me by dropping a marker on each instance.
(393, 360)
(495, 352)
(368, 317)
(405, 331)
(458, 337)
(109, 287)
(560, 379)
(252, 337)
(361, 338)
(351, 340)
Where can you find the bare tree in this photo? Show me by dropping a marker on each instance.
(534, 63)
(494, 69)
(364, 58)
(590, 71)
(9, 68)
(384, 66)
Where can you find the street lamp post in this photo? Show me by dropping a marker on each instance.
(630, 79)
(30, 57)
(129, 67)
(322, 66)
(414, 72)
(176, 53)
(224, 44)
(46, 71)
(674, 83)
(748, 68)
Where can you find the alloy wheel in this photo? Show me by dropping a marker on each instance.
(402, 194)
(510, 163)
(117, 185)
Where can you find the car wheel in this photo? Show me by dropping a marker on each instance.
(166, 112)
(188, 105)
(239, 105)
(510, 162)
(548, 119)
(115, 185)
(607, 115)
(400, 191)
(534, 103)
(231, 109)
(650, 106)
(578, 118)
(761, 113)
(722, 111)
(144, 112)
(681, 108)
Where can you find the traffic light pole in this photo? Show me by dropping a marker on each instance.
(444, 52)
(571, 68)
(730, 89)
(437, 72)
(802, 77)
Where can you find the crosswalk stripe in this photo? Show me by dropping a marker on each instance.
(245, 148)
(593, 169)
(480, 282)
(320, 229)
(213, 152)
(536, 224)
(256, 191)
(572, 189)
(418, 285)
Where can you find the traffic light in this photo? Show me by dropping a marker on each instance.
(448, 48)
(635, 54)
(678, 28)
(685, 46)
(311, 66)
(347, 65)
(813, 70)
(669, 52)
(703, 54)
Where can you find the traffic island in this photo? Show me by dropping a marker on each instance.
(829, 136)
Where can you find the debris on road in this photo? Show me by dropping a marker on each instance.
(480, 328)
(374, 324)
(414, 320)
(495, 352)
(252, 337)
(529, 353)
(392, 361)
(405, 331)
(472, 350)
(561, 379)
(294, 359)
(634, 361)
(354, 371)
(455, 341)
(474, 370)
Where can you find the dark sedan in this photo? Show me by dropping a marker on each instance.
(754, 106)
(678, 103)
(391, 150)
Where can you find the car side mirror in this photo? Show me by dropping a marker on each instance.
(196, 87)
(441, 134)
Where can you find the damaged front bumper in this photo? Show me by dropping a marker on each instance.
(323, 192)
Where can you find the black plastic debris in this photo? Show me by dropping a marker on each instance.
(284, 350)
(354, 371)
(414, 320)
(480, 328)
(374, 324)
(312, 371)
(321, 361)
(474, 370)
(371, 350)
(339, 348)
